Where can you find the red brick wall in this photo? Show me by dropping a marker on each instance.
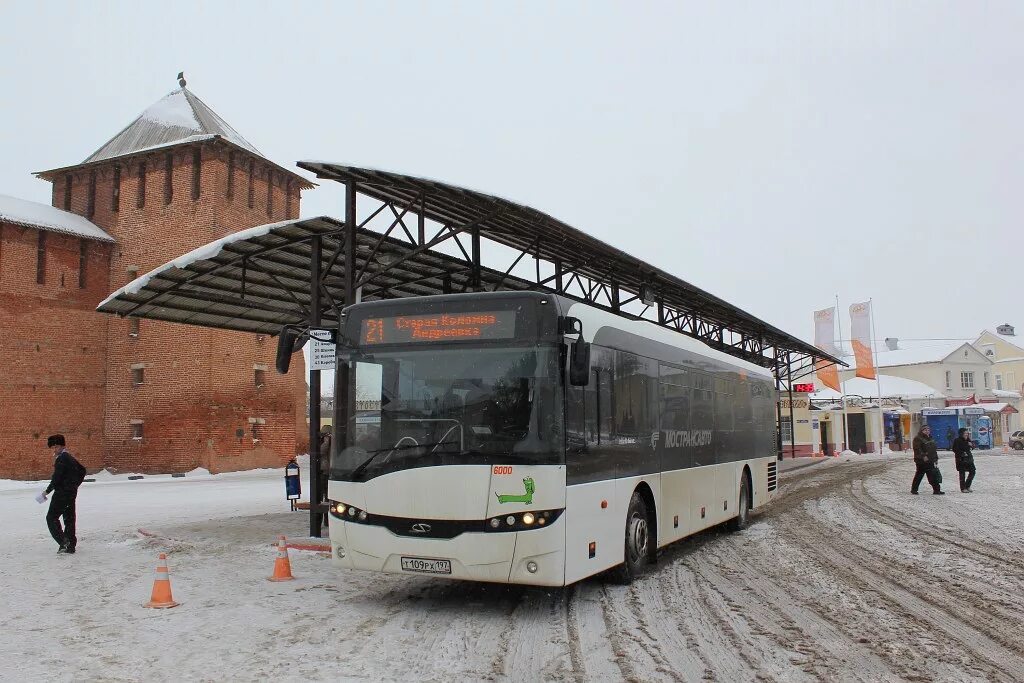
(198, 387)
(52, 351)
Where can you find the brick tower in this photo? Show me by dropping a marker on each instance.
(178, 397)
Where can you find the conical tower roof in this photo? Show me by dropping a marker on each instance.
(177, 118)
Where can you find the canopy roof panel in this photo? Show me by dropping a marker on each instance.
(259, 279)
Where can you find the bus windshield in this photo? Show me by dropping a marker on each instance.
(430, 406)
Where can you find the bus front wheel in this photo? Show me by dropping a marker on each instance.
(638, 540)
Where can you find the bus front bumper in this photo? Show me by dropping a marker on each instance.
(494, 557)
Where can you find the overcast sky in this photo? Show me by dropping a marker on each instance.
(775, 154)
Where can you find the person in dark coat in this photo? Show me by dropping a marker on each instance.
(926, 457)
(964, 459)
(68, 475)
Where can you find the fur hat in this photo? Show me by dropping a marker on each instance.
(55, 440)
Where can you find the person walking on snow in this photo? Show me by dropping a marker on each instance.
(68, 475)
(964, 460)
(926, 457)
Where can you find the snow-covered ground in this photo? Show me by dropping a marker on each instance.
(845, 577)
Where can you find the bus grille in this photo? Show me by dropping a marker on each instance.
(773, 476)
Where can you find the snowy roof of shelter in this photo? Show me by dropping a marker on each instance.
(1005, 393)
(46, 217)
(891, 387)
(174, 119)
(996, 407)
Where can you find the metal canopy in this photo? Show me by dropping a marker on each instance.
(580, 266)
(303, 272)
(258, 280)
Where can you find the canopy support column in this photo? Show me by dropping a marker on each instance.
(315, 494)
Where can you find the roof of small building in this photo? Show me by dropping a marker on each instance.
(891, 387)
(46, 217)
(912, 353)
(178, 117)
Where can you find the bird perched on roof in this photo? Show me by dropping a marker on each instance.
(181, 78)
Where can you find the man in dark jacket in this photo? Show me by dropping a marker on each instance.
(964, 460)
(926, 457)
(68, 475)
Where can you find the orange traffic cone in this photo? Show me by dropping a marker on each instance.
(282, 567)
(161, 597)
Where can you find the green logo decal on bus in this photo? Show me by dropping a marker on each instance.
(525, 498)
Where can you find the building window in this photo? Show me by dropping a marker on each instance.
(115, 196)
(140, 199)
(786, 427)
(1011, 381)
(270, 195)
(137, 430)
(966, 380)
(197, 171)
(252, 188)
(986, 380)
(288, 198)
(67, 191)
(83, 259)
(948, 385)
(259, 377)
(231, 174)
(138, 376)
(41, 258)
(168, 178)
(999, 382)
(133, 327)
(990, 350)
(256, 425)
(90, 209)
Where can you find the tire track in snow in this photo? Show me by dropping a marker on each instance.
(961, 628)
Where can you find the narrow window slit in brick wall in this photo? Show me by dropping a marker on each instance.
(252, 188)
(197, 171)
(231, 175)
(140, 200)
(138, 377)
(90, 209)
(270, 195)
(168, 178)
(137, 429)
(41, 258)
(67, 191)
(83, 260)
(115, 196)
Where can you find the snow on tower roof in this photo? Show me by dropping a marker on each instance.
(46, 217)
(178, 117)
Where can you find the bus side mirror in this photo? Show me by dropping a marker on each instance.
(285, 348)
(579, 363)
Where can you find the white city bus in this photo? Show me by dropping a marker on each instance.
(527, 438)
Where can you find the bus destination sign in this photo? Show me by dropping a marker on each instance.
(402, 329)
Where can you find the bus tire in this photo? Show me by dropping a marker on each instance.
(637, 542)
(742, 518)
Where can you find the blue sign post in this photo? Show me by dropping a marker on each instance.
(292, 482)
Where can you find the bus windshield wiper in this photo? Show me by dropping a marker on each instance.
(366, 463)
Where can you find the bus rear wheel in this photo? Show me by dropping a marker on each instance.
(742, 518)
(638, 540)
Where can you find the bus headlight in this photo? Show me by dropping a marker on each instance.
(347, 512)
(523, 521)
(531, 567)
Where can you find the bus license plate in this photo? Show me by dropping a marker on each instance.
(427, 566)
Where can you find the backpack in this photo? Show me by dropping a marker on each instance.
(76, 475)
